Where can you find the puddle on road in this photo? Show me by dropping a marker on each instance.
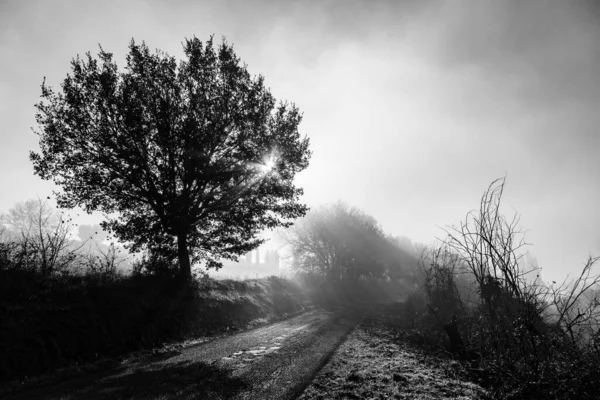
(240, 358)
(244, 357)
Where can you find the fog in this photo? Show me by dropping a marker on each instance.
(412, 107)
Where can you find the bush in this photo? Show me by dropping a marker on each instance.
(156, 263)
(527, 339)
(65, 319)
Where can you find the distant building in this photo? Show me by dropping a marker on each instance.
(249, 266)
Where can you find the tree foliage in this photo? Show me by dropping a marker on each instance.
(190, 155)
(340, 242)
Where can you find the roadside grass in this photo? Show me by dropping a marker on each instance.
(377, 362)
(215, 307)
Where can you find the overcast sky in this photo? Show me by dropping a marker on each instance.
(412, 107)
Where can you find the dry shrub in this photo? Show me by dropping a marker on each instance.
(526, 339)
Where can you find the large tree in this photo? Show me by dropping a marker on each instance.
(195, 156)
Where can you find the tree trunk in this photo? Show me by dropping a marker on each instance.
(184, 256)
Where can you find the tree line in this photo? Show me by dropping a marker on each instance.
(340, 243)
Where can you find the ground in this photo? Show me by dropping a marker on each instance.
(373, 363)
(273, 362)
(283, 360)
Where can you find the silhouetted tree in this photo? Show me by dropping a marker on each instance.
(190, 155)
(400, 256)
(340, 242)
(314, 243)
(363, 241)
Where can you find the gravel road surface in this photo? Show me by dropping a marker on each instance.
(272, 362)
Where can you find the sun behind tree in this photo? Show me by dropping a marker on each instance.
(192, 158)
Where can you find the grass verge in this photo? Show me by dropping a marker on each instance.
(377, 362)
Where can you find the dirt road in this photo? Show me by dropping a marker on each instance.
(272, 362)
